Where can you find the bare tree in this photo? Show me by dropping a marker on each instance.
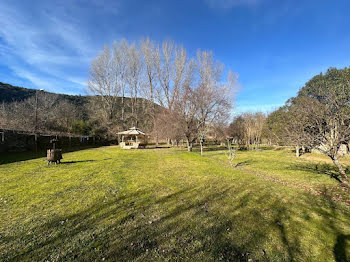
(53, 114)
(192, 90)
(258, 127)
(150, 55)
(248, 129)
(121, 51)
(170, 70)
(204, 99)
(103, 82)
(236, 130)
(135, 69)
(65, 115)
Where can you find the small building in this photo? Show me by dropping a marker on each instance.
(133, 139)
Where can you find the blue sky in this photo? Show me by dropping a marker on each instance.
(274, 45)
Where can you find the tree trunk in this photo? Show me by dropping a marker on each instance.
(297, 151)
(123, 108)
(303, 149)
(343, 175)
(201, 143)
(189, 146)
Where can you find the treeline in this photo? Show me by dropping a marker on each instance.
(157, 87)
(317, 118)
(43, 113)
(193, 93)
(249, 130)
(58, 114)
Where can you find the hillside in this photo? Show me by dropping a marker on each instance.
(10, 93)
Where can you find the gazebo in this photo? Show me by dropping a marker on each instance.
(133, 139)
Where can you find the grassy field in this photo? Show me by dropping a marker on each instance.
(170, 205)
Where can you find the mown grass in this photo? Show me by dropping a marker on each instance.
(314, 171)
(168, 205)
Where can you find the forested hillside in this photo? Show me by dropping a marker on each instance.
(10, 93)
(61, 113)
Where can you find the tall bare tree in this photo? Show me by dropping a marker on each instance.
(103, 82)
(204, 98)
(135, 69)
(121, 50)
(150, 55)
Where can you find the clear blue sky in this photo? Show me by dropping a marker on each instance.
(274, 45)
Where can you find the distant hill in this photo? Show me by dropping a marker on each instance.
(10, 93)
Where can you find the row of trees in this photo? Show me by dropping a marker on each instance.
(43, 112)
(51, 113)
(248, 129)
(156, 87)
(318, 117)
(184, 97)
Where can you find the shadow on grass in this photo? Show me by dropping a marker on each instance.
(80, 161)
(209, 149)
(244, 163)
(11, 157)
(156, 147)
(321, 168)
(341, 249)
(184, 224)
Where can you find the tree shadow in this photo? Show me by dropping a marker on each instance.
(218, 148)
(78, 161)
(155, 147)
(319, 168)
(11, 157)
(244, 163)
(292, 245)
(341, 247)
(191, 224)
(188, 223)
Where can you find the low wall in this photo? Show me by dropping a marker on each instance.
(16, 141)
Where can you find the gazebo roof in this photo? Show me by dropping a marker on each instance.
(132, 131)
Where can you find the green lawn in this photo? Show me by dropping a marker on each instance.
(170, 205)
